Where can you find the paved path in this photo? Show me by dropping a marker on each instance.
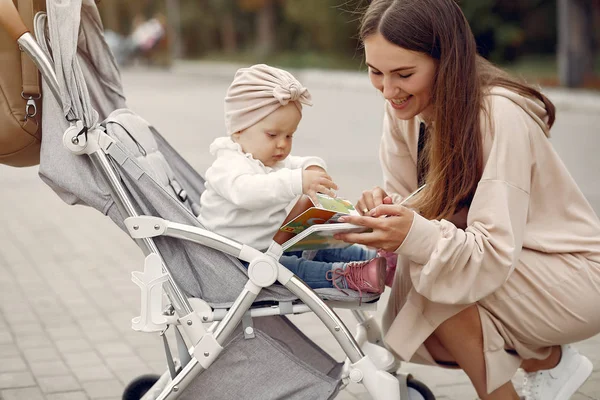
(65, 296)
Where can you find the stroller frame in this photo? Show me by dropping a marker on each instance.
(367, 361)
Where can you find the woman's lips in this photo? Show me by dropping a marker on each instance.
(401, 105)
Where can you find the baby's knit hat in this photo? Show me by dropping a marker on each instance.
(258, 91)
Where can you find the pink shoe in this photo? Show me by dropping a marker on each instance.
(362, 276)
(392, 260)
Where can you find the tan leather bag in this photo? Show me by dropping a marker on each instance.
(20, 88)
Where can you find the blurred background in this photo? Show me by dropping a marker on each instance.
(66, 298)
(551, 42)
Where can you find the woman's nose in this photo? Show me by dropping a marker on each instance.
(389, 91)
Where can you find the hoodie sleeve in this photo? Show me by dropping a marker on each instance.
(236, 181)
(399, 170)
(455, 266)
(294, 162)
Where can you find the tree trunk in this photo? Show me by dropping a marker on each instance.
(228, 34)
(174, 18)
(265, 25)
(110, 15)
(575, 54)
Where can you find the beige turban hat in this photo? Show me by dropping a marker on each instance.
(258, 91)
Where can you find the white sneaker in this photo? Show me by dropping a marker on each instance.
(560, 382)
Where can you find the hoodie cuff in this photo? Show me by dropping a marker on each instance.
(314, 161)
(297, 181)
(421, 240)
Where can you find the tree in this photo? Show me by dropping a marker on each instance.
(265, 24)
(575, 45)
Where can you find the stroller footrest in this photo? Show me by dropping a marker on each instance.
(150, 283)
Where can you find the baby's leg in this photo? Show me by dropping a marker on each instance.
(312, 272)
(347, 254)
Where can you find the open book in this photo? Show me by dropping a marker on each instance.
(311, 226)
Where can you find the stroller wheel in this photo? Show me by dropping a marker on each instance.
(417, 390)
(138, 387)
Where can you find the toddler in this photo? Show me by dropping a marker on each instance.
(254, 179)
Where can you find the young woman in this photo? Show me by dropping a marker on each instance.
(499, 254)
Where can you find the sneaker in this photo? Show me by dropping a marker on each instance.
(362, 276)
(391, 260)
(560, 382)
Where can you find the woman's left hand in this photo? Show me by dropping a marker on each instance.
(390, 224)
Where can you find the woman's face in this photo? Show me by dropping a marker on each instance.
(404, 77)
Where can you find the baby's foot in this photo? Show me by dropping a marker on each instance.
(362, 276)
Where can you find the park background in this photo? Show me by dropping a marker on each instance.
(66, 297)
(550, 42)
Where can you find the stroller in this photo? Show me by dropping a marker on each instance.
(233, 338)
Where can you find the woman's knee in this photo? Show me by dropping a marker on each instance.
(466, 321)
(463, 330)
(437, 351)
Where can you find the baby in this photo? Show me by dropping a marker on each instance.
(254, 179)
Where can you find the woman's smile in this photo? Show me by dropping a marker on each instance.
(401, 103)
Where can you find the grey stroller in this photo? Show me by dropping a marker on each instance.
(232, 336)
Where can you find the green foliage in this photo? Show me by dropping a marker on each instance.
(325, 30)
(322, 25)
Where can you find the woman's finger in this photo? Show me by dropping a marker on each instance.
(365, 238)
(378, 195)
(387, 209)
(367, 198)
(368, 222)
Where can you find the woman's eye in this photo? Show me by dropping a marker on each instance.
(375, 72)
(271, 134)
(405, 76)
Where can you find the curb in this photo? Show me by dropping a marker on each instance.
(564, 99)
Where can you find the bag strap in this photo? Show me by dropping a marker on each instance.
(29, 72)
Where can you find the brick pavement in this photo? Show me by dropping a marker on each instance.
(66, 299)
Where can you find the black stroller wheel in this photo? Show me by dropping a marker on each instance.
(417, 390)
(138, 387)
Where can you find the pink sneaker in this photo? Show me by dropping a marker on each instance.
(392, 260)
(362, 276)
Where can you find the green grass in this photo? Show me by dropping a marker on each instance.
(541, 66)
(544, 70)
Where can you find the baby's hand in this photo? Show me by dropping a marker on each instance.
(316, 180)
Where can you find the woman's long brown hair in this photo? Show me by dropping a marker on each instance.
(454, 154)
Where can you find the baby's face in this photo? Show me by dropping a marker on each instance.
(270, 140)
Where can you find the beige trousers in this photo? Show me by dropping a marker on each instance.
(549, 299)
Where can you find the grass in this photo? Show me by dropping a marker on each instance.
(543, 70)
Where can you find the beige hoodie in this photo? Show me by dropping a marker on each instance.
(525, 199)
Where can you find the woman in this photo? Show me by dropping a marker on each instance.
(499, 254)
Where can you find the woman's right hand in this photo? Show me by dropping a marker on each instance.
(371, 199)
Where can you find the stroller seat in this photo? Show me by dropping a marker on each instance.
(125, 169)
(143, 156)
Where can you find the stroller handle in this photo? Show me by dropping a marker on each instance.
(10, 20)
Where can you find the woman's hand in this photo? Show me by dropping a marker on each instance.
(371, 199)
(316, 180)
(390, 225)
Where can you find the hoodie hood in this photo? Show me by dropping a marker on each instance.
(224, 143)
(533, 107)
